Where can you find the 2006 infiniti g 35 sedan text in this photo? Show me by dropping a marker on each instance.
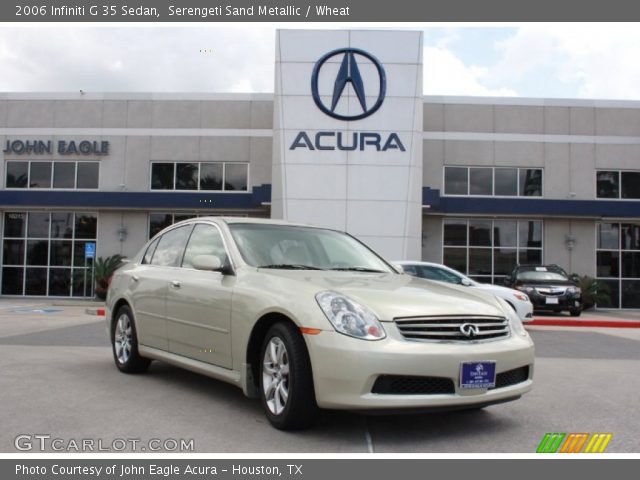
(306, 317)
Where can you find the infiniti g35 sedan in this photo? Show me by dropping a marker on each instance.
(305, 318)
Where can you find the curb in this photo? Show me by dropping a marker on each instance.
(552, 322)
(98, 311)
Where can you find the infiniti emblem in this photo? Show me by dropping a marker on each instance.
(469, 330)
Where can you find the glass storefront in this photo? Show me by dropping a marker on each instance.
(43, 253)
(618, 264)
(487, 250)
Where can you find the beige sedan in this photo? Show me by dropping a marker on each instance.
(306, 318)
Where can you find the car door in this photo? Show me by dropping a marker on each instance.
(149, 284)
(199, 302)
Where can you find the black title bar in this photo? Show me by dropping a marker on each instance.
(348, 11)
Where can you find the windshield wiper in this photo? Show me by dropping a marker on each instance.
(358, 269)
(289, 266)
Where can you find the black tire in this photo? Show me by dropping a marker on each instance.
(132, 362)
(299, 409)
(575, 312)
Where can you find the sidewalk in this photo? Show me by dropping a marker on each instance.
(590, 318)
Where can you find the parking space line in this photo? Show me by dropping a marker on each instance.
(367, 435)
(9, 307)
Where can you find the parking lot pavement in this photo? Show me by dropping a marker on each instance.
(58, 378)
(19, 316)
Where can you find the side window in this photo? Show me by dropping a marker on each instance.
(205, 240)
(149, 253)
(410, 269)
(169, 250)
(448, 276)
(431, 273)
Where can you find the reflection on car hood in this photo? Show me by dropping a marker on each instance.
(390, 295)
(497, 289)
(547, 283)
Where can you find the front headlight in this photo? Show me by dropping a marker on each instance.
(574, 290)
(349, 317)
(521, 296)
(514, 320)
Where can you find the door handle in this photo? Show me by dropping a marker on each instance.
(176, 284)
(135, 278)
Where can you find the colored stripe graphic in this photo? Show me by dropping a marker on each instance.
(598, 443)
(550, 443)
(574, 442)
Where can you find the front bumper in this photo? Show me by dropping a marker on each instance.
(345, 370)
(565, 302)
(524, 311)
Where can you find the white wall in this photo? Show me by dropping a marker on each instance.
(374, 195)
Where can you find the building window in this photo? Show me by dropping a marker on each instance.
(618, 264)
(200, 176)
(488, 250)
(52, 175)
(617, 184)
(43, 253)
(493, 181)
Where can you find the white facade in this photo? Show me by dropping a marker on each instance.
(371, 192)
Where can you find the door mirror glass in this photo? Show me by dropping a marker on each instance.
(207, 262)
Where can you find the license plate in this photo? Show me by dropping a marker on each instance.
(551, 301)
(478, 375)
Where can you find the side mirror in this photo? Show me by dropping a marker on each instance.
(466, 282)
(207, 262)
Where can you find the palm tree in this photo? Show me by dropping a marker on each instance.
(103, 269)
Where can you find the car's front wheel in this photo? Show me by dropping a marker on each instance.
(575, 312)
(124, 341)
(286, 382)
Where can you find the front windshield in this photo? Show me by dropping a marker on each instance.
(289, 247)
(540, 276)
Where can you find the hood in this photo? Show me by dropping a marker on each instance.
(390, 295)
(497, 289)
(546, 283)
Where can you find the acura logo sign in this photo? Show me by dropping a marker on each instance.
(349, 73)
(469, 330)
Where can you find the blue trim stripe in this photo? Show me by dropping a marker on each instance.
(135, 200)
(528, 206)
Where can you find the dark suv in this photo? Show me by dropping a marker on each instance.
(548, 288)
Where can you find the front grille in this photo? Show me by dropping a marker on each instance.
(551, 292)
(405, 385)
(512, 377)
(452, 327)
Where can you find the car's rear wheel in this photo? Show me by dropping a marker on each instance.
(575, 312)
(286, 382)
(124, 341)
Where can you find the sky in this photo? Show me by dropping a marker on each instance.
(530, 60)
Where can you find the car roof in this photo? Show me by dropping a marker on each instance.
(411, 262)
(232, 220)
(552, 267)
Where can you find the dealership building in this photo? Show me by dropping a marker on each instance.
(348, 141)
